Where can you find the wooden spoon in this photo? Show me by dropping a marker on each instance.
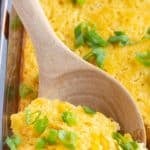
(65, 76)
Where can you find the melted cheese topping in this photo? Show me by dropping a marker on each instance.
(94, 132)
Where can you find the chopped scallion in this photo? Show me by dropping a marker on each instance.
(119, 33)
(119, 37)
(41, 144)
(13, 142)
(93, 39)
(144, 58)
(147, 35)
(100, 55)
(41, 124)
(25, 90)
(69, 118)
(31, 117)
(124, 142)
(79, 35)
(52, 136)
(88, 110)
(68, 138)
(86, 34)
(80, 2)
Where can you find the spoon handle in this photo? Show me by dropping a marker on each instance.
(54, 58)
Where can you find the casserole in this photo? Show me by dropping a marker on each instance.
(10, 82)
(130, 17)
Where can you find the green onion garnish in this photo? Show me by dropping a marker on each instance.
(41, 124)
(52, 136)
(124, 142)
(89, 110)
(93, 39)
(15, 23)
(119, 33)
(147, 35)
(68, 138)
(119, 37)
(41, 144)
(79, 35)
(80, 2)
(144, 58)
(25, 90)
(30, 117)
(148, 31)
(100, 55)
(69, 118)
(86, 34)
(13, 142)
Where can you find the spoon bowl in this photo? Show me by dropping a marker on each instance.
(64, 75)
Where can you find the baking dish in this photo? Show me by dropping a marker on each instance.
(10, 54)
(3, 53)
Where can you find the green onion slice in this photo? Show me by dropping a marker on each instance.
(68, 138)
(79, 35)
(118, 33)
(124, 142)
(25, 90)
(79, 32)
(147, 35)
(41, 124)
(144, 58)
(52, 136)
(86, 34)
(80, 2)
(119, 37)
(41, 144)
(13, 142)
(93, 39)
(69, 118)
(89, 110)
(31, 117)
(100, 55)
